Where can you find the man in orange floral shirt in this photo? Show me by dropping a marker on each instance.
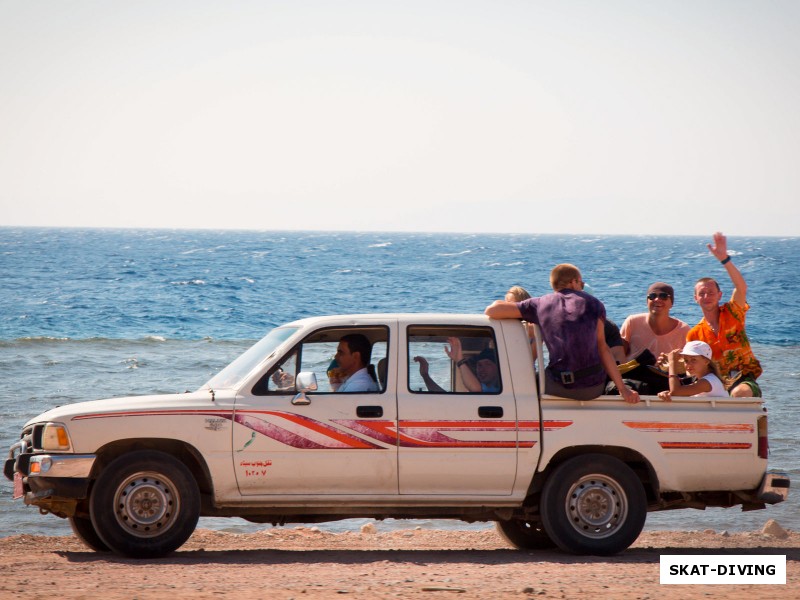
(722, 326)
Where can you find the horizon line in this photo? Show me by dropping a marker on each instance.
(380, 231)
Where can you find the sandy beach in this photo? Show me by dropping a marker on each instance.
(306, 563)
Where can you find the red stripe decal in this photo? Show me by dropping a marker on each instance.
(151, 413)
(334, 439)
(411, 434)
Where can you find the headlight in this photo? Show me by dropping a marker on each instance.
(55, 438)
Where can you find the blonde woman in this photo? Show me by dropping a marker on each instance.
(517, 294)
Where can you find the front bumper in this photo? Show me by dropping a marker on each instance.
(50, 465)
(50, 480)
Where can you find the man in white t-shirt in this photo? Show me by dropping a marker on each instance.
(654, 330)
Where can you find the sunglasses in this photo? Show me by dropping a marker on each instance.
(659, 295)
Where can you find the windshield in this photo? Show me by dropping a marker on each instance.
(231, 375)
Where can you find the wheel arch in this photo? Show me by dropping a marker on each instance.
(642, 467)
(184, 452)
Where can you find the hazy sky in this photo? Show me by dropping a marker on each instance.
(669, 117)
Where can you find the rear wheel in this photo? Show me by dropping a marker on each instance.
(593, 504)
(84, 531)
(145, 504)
(525, 535)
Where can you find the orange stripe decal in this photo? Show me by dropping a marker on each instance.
(555, 425)
(705, 446)
(691, 427)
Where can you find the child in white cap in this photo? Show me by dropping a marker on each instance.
(697, 360)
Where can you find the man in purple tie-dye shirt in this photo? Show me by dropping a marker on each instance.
(572, 326)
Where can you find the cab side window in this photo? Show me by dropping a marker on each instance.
(449, 360)
(317, 354)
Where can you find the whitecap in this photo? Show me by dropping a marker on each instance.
(192, 282)
(380, 245)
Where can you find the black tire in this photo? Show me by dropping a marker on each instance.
(84, 531)
(145, 504)
(593, 504)
(525, 535)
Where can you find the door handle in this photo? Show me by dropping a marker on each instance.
(369, 412)
(490, 412)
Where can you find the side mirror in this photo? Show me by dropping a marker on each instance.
(305, 382)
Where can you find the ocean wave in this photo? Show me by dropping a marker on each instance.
(41, 339)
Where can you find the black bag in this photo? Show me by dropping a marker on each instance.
(645, 377)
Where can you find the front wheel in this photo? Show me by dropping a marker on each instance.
(145, 504)
(84, 531)
(593, 504)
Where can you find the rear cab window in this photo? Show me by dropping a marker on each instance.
(433, 354)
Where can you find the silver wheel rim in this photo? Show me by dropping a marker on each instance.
(146, 504)
(596, 506)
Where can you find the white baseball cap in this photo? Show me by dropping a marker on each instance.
(697, 348)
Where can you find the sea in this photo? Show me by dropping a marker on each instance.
(97, 313)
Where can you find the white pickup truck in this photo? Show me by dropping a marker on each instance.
(269, 439)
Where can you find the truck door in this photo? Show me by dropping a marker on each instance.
(457, 423)
(321, 441)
